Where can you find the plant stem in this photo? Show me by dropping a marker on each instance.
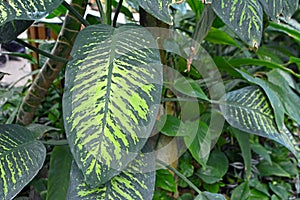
(179, 175)
(76, 14)
(117, 13)
(101, 11)
(108, 11)
(44, 53)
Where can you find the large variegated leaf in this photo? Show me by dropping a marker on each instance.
(21, 157)
(26, 9)
(158, 8)
(248, 109)
(244, 17)
(274, 8)
(136, 182)
(111, 99)
(10, 30)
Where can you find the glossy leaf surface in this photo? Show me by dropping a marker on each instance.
(21, 157)
(10, 30)
(111, 99)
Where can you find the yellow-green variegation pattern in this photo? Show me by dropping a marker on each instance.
(274, 8)
(111, 99)
(248, 109)
(26, 9)
(21, 157)
(136, 182)
(158, 8)
(244, 17)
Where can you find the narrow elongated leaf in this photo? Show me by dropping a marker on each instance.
(136, 182)
(248, 109)
(243, 17)
(59, 173)
(111, 100)
(21, 157)
(158, 8)
(26, 9)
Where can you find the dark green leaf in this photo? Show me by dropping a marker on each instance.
(189, 87)
(216, 168)
(243, 17)
(21, 157)
(275, 169)
(59, 173)
(111, 99)
(165, 180)
(136, 182)
(241, 192)
(26, 9)
(218, 36)
(287, 29)
(158, 8)
(123, 10)
(275, 8)
(11, 30)
(281, 189)
(171, 126)
(244, 142)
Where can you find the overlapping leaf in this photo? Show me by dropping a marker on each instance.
(111, 99)
(248, 109)
(10, 30)
(21, 157)
(243, 17)
(275, 8)
(135, 182)
(158, 8)
(26, 9)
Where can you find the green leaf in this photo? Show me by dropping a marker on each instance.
(274, 169)
(289, 99)
(275, 8)
(189, 87)
(39, 130)
(111, 99)
(281, 189)
(243, 17)
(209, 196)
(59, 173)
(249, 110)
(286, 28)
(10, 30)
(216, 168)
(263, 152)
(165, 180)
(135, 182)
(241, 192)
(199, 144)
(218, 36)
(26, 9)
(21, 157)
(171, 126)
(244, 142)
(158, 8)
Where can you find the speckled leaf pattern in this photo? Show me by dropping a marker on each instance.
(21, 157)
(244, 17)
(26, 9)
(274, 8)
(158, 8)
(249, 110)
(135, 182)
(111, 99)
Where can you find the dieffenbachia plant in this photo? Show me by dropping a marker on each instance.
(113, 85)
